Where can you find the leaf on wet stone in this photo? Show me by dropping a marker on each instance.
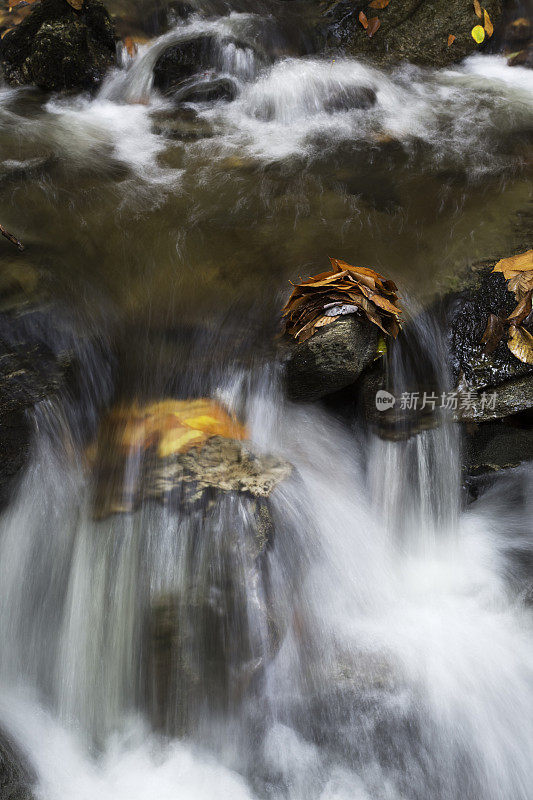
(522, 310)
(487, 23)
(379, 4)
(319, 300)
(493, 333)
(478, 34)
(373, 26)
(451, 39)
(477, 9)
(363, 20)
(521, 344)
(523, 262)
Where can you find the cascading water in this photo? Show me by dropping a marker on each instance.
(360, 635)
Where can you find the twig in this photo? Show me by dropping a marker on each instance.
(12, 239)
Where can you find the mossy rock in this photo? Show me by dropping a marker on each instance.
(410, 30)
(58, 48)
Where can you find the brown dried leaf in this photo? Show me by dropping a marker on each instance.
(487, 24)
(522, 262)
(477, 9)
(379, 4)
(363, 20)
(373, 26)
(520, 283)
(522, 310)
(493, 334)
(521, 344)
(451, 39)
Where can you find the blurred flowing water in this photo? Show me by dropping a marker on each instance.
(402, 663)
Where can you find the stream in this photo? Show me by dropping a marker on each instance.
(403, 663)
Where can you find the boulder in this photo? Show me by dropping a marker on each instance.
(58, 48)
(412, 30)
(208, 88)
(465, 315)
(333, 358)
(16, 777)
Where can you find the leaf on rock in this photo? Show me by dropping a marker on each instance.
(522, 311)
(478, 34)
(76, 4)
(522, 262)
(451, 39)
(477, 9)
(373, 26)
(521, 344)
(493, 333)
(379, 4)
(487, 23)
(363, 20)
(318, 301)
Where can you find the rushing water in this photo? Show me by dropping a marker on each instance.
(404, 661)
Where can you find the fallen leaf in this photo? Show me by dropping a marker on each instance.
(522, 311)
(477, 9)
(131, 46)
(379, 4)
(520, 263)
(373, 26)
(76, 4)
(493, 334)
(487, 24)
(521, 344)
(451, 39)
(520, 283)
(478, 34)
(363, 20)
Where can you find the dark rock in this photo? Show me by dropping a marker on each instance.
(188, 58)
(411, 30)
(183, 124)
(465, 314)
(16, 778)
(205, 90)
(58, 48)
(330, 360)
(493, 446)
(360, 97)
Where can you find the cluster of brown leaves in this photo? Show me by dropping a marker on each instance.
(363, 288)
(518, 271)
(168, 427)
(372, 25)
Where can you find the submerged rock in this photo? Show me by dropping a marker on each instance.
(411, 30)
(58, 48)
(333, 358)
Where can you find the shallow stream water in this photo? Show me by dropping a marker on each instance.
(405, 668)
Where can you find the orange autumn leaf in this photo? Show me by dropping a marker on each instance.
(487, 24)
(379, 4)
(373, 26)
(363, 20)
(477, 9)
(451, 39)
(522, 262)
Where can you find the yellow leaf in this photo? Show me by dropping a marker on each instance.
(477, 9)
(489, 27)
(478, 34)
(523, 262)
(179, 440)
(521, 344)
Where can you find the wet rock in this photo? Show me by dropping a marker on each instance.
(490, 447)
(183, 124)
(58, 48)
(16, 778)
(465, 315)
(205, 90)
(413, 30)
(333, 358)
(188, 58)
(353, 97)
